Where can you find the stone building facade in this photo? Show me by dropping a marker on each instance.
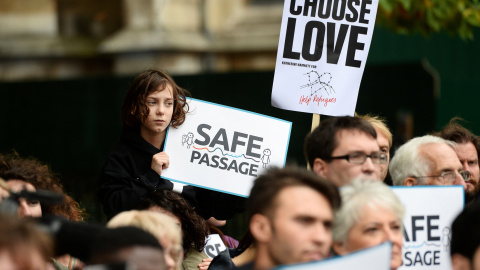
(58, 39)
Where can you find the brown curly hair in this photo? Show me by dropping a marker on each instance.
(135, 109)
(194, 227)
(32, 171)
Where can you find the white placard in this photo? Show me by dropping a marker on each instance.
(322, 51)
(223, 148)
(374, 258)
(214, 245)
(429, 214)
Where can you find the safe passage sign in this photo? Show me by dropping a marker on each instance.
(374, 258)
(322, 51)
(429, 214)
(223, 148)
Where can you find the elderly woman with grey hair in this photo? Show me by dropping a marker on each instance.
(370, 214)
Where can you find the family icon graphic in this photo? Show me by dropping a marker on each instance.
(187, 138)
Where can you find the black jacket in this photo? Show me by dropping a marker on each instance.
(224, 259)
(127, 178)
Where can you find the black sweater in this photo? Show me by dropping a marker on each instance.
(127, 178)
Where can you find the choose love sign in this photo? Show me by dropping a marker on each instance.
(223, 148)
(429, 214)
(321, 55)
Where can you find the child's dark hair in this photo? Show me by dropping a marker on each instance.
(135, 109)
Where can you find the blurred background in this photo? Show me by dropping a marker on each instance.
(65, 66)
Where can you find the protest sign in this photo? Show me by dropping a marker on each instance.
(429, 214)
(374, 258)
(213, 245)
(322, 51)
(223, 148)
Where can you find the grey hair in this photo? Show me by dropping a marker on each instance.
(407, 161)
(358, 195)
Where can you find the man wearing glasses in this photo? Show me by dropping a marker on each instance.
(427, 160)
(341, 149)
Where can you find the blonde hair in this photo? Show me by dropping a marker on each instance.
(158, 224)
(380, 123)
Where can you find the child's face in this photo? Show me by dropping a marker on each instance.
(160, 104)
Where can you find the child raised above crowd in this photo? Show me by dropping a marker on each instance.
(134, 166)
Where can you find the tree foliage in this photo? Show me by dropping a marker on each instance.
(457, 17)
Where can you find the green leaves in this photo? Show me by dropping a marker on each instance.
(456, 17)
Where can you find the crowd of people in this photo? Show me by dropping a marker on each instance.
(294, 215)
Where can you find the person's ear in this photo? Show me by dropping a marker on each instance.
(260, 228)
(409, 181)
(339, 248)
(320, 167)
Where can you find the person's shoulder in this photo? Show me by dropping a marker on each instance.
(117, 154)
(223, 260)
(119, 148)
(248, 266)
(125, 146)
(192, 259)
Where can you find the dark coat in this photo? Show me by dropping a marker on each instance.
(224, 259)
(127, 178)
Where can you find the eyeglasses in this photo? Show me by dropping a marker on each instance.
(360, 158)
(450, 176)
